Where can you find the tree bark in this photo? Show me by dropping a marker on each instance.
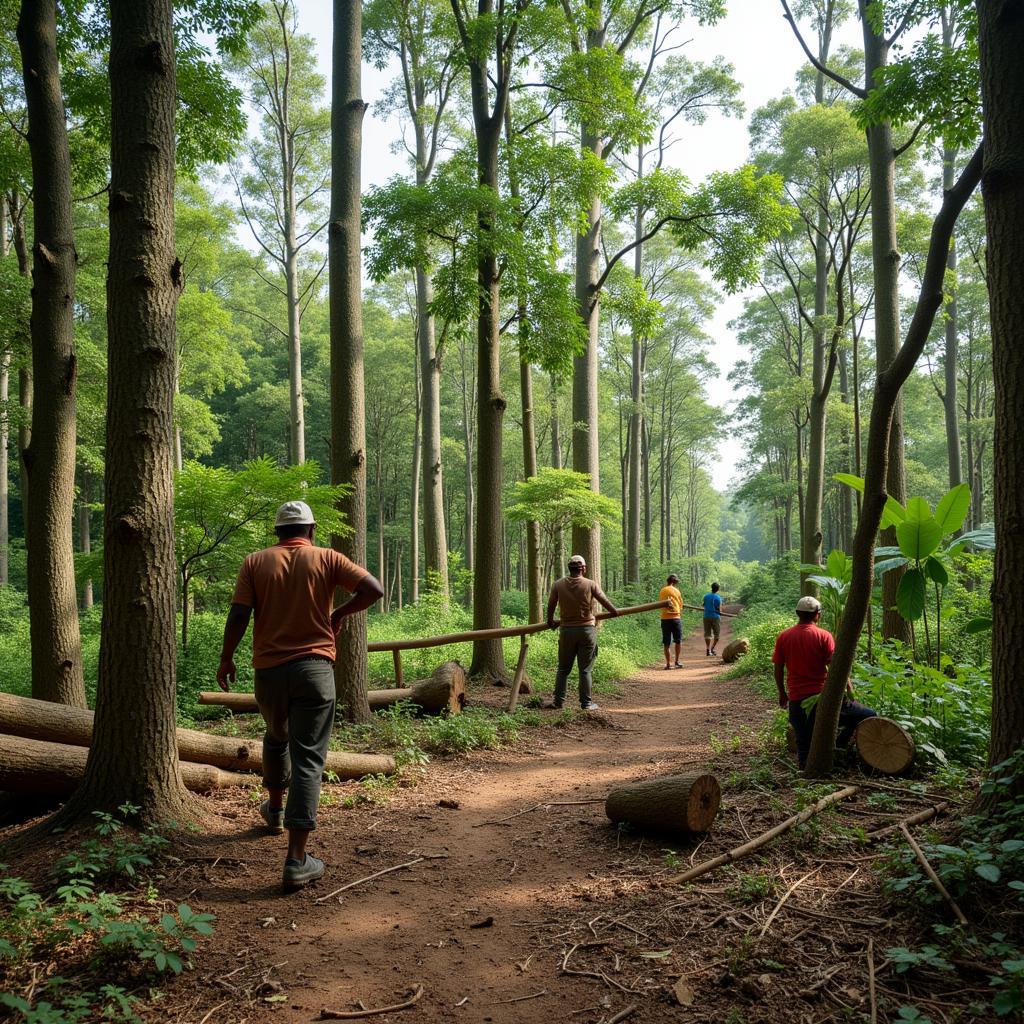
(558, 552)
(950, 397)
(1001, 39)
(887, 391)
(25, 390)
(414, 489)
(134, 756)
(681, 804)
(41, 720)
(50, 458)
(85, 535)
(885, 259)
(5, 437)
(348, 400)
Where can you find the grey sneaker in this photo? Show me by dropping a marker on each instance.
(274, 819)
(591, 706)
(298, 873)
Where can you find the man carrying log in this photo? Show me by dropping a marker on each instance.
(712, 619)
(802, 656)
(574, 596)
(671, 619)
(290, 586)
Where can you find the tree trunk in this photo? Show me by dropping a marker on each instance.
(534, 583)
(25, 389)
(1001, 38)
(586, 457)
(50, 459)
(885, 259)
(134, 756)
(470, 516)
(950, 398)
(435, 540)
(85, 535)
(558, 553)
(846, 493)
(414, 490)
(5, 437)
(348, 400)
(887, 390)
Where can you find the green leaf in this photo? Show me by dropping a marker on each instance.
(910, 595)
(981, 624)
(856, 482)
(918, 537)
(936, 572)
(984, 539)
(838, 565)
(951, 511)
(889, 563)
(918, 510)
(988, 871)
(893, 513)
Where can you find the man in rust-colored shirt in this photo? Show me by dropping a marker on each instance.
(802, 656)
(576, 597)
(290, 587)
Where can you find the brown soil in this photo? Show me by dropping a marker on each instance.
(528, 875)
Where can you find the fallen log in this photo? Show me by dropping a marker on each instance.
(884, 745)
(765, 838)
(445, 690)
(681, 804)
(33, 766)
(59, 723)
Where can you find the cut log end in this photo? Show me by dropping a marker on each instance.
(884, 745)
(735, 650)
(679, 804)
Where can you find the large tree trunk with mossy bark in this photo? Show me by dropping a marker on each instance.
(49, 460)
(887, 391)
(134, 756)
(1001, 38)
(348, 399)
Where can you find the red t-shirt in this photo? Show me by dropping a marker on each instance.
(806, 650)
(290, 586)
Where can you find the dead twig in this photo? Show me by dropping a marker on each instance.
(766, 837)
(210, 1013)
(930, 872)
(915, 819)
(785, 896)
(519, 999)
(501, 821)
(376, 1011)
(872, 994)
(369, 878)
(623, 1014)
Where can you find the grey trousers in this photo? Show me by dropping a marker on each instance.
(297, 703)
(576, 644)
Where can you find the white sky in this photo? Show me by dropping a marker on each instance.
(759, 44)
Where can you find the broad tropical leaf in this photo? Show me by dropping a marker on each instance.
(894, 512)
(910, 595)
(890, 563)
(984, 538)
(936, 572)
(919, 537)
(918, 510)
(951, 511)
(838, 565)
(981, 624)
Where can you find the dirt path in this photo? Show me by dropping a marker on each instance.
(428, 924)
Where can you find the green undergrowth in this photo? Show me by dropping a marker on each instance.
(92, 943)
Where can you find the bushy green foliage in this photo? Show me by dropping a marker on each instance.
(94, 932)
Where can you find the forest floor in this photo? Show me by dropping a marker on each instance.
(528, 904)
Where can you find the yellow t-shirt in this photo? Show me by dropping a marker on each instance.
(670, 593)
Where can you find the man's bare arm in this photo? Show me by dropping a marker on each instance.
(608, 606)
(368, 591)
(234, 629)
(780, 682)
(552, 605)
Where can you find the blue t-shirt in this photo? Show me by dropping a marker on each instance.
(712, 606)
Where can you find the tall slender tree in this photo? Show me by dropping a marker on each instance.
(50, 459)
(348, 400)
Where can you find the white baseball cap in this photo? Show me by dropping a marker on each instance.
(294, 513)
(808, 604)
(577, 560)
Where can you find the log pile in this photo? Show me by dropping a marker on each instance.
(44, 743)
(675, 804)
(445, 690)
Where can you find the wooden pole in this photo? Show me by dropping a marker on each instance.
(517, 679)
(698, 608)
(496, 634)
(397, 656)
